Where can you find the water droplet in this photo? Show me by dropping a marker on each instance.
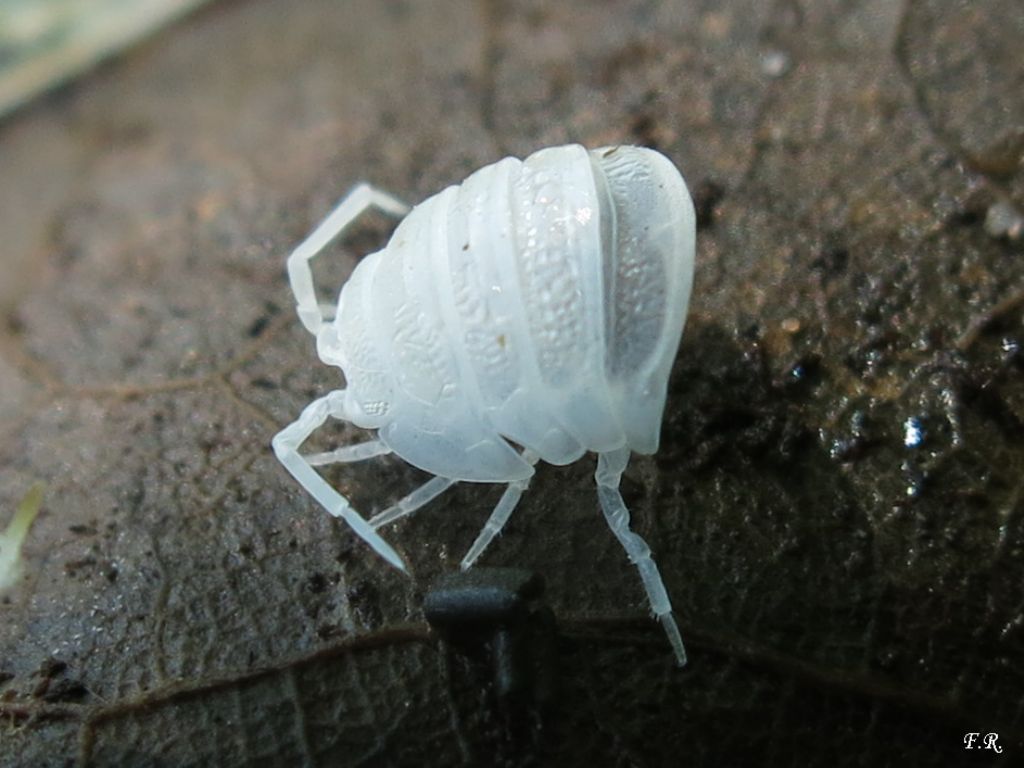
(913, 432)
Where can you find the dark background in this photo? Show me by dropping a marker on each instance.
(850, 593)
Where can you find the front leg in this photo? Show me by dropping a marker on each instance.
(355, 203)
(286, 447)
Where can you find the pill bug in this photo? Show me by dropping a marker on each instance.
(540, 302)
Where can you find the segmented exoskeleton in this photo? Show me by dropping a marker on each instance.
(539, 302)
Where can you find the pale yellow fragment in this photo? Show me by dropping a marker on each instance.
(12, 539)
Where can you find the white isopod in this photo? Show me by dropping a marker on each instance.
(539, 302)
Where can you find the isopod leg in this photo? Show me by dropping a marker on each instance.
(418, 498)
(502, 512)
(348, 453)
(610, 467)
(362, 198)
(286, 446)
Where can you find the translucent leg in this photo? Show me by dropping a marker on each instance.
(286, 446)
(418, 498)
(349, 453)
(502, 512)
(353, 205)
(610, 467)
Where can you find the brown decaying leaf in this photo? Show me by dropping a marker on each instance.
(837, 504)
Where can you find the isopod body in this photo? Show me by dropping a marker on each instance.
(539, 302)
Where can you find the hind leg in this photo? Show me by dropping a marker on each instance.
(610, 467)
